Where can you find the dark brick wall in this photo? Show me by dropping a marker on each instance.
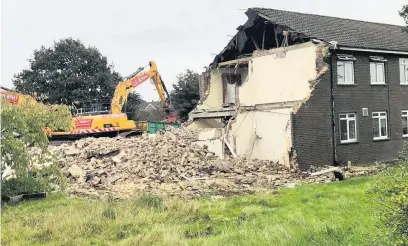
(391, 97)
(312, 126)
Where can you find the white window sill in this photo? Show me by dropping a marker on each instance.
(381, 139)
(346, 83)
(348, 141)
(378, 84)
(405, 136)
(405, 84)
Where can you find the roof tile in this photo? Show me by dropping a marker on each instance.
(351, 33)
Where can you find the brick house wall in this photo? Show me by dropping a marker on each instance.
(315, 126)
(312, 127)
(391, 97)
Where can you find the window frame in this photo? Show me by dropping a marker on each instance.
(376, 63)
(379, 117)
(344, 62)
(405, 116)
(348, 119)
(403, 62)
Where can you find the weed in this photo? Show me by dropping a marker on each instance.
(209, 231)
(304, 200)
(109, 213)
(150, 201)
(268, 204)
(42, 236)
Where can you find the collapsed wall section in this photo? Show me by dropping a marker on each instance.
(279, 75)
(263, 134)
(212, 93)
(278, 81)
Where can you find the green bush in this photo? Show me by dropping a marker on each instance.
(391, 193)
(23, 125)
(22, 185)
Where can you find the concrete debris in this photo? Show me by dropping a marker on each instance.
(75, 171)
(170, 164)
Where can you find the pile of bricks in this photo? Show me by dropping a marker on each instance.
(168, 164)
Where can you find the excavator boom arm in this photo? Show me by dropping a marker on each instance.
(123, 88)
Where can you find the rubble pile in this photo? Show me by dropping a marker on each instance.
(168, 164)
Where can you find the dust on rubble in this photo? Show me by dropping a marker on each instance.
(168, 164)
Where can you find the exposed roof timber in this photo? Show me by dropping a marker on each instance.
(251, 37)
(237, 61)
(212, 114)
(238, 42)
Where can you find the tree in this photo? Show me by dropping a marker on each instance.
(70, 71)
(22, 125)
(185, 95)
(404, 13)
(131, 106)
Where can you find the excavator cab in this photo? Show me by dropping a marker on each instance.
(92, 107)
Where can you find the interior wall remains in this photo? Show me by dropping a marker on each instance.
(214, 96)
(279, 75)
(278, 81)
(263, 134)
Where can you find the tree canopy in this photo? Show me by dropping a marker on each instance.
(131, 106)
(404, 13)
(68, 70)
(185, 95)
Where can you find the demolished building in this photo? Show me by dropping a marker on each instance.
(307, 89)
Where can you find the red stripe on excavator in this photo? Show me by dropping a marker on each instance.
(110, 129)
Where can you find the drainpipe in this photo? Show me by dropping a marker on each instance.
(332, 108)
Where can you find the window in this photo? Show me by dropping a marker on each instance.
(230, 83)
(377, 71)
(404, 71)
(348, 128)
(404, 115)
(345, 72)
(345, 69)
(380, 130)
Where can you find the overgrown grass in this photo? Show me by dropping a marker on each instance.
(330, 214)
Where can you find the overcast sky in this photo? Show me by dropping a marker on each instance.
(178, 35)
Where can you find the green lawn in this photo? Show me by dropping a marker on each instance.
(329, 214)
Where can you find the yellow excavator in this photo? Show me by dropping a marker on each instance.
(97, 120)
(14, 97)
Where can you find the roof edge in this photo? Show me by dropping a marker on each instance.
(304, 13)
(373, 50)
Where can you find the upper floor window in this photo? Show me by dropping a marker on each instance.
(377, 71)
(404, 71)
(345, 69)
(380, 126)
(404, 115)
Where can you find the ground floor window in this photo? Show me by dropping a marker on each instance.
(404, 115)
(348, 128)
(380, 126)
